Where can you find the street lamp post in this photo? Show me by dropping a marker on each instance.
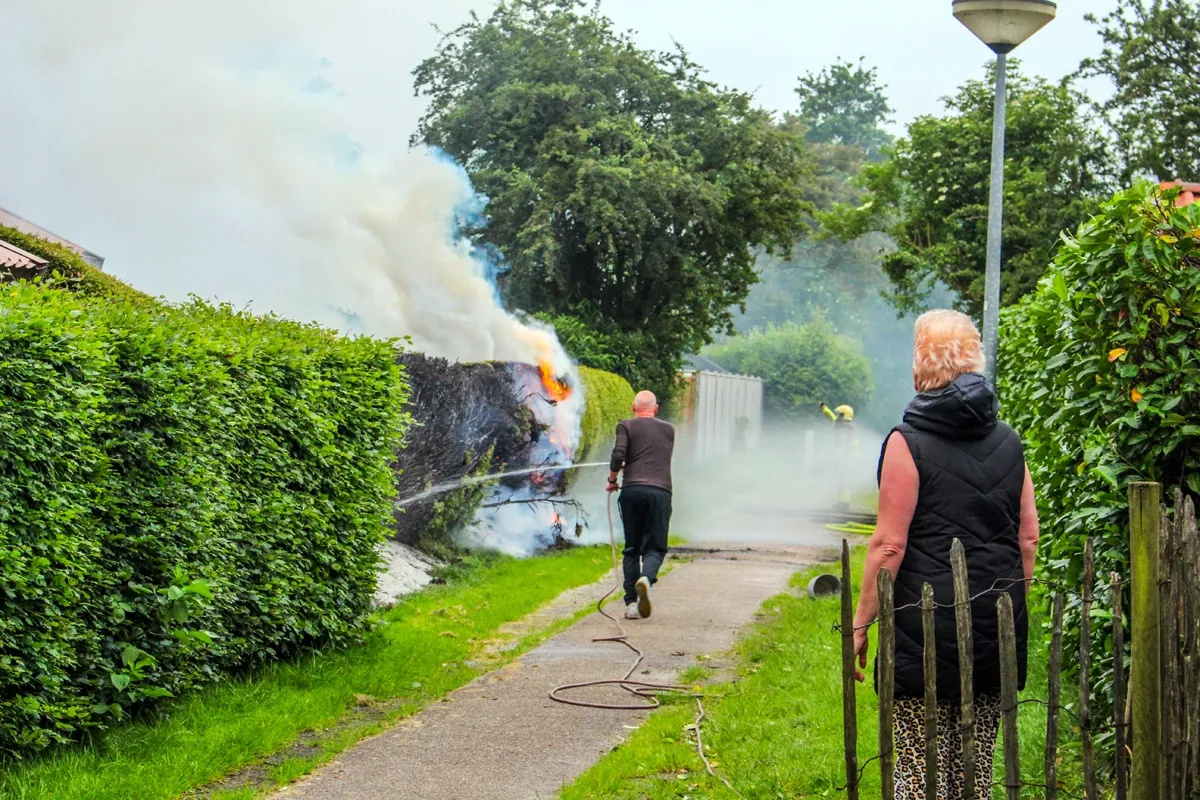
(1001, 25)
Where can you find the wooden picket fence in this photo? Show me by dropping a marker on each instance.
(1161, 700)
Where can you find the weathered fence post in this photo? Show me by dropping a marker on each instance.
(849, 699)
(1190, 607)
(931, 709)
(1119, 687)
(1054, 698)
(966, 664)
(1008, 696)
(1145, 664)
(1169, 604)
(886, 677)
(1085, 672)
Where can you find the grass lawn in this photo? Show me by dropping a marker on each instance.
(776, 732)
(430, 644)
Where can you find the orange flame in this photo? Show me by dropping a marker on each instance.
(556, 390)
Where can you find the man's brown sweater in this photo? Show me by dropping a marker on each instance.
(644, 447)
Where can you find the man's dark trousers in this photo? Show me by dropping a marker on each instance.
(646, 514)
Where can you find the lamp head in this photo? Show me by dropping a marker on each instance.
(1004, 24)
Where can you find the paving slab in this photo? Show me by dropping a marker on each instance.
(502, 738)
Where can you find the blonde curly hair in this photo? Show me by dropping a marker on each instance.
(946, 345)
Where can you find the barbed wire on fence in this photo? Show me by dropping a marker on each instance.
(995, 588)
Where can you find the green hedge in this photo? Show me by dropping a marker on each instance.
(186, 492)
(607, 400)
(1099, 373)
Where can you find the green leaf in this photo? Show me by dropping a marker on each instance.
(1107, 473)
(120, 681)
(130, 655)
(1060, 286)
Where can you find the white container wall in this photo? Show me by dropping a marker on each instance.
(726, 414)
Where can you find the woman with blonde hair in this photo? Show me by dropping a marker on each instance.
(951, 470)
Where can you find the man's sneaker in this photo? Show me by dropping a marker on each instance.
(631, 611)
(642, 587)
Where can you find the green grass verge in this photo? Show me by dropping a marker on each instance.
(777, 730)
(420, 650)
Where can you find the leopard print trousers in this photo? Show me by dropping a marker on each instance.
(910, 747)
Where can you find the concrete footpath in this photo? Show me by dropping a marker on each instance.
(502, 738)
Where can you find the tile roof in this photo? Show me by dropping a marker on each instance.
(11, 220)
(13, 257)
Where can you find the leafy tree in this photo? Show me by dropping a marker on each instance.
(800, 365)
(840, 282)
(844, 104)
(931, 195)
(586, 346)
(1152, 56)
(624, 189)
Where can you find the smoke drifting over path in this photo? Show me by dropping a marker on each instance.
(770, 496)
(207, 144)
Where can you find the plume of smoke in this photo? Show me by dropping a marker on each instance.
(211, 136)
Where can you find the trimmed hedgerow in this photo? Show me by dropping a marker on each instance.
(186, 492)
(1100, 373)
(607, 401)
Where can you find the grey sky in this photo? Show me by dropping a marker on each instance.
(761, 46)
(58, 170)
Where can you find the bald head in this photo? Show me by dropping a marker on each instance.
(645, 404)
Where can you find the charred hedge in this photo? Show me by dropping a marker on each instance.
(186, 492)
(468, 420)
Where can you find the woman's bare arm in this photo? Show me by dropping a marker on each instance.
(898, 487)
(1028, 536)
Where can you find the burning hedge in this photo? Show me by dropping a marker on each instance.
(468, 420)
(474, 420)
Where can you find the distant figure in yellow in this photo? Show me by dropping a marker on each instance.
(845, 444)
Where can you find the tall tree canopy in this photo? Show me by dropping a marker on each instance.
(1152, 55)
(840, 284)
(624, 189)
(845, 104)
(931, 195)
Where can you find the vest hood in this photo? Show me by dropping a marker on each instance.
(966, 409)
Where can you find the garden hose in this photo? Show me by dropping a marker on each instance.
(642, 689)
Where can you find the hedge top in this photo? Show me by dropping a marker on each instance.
(70, 266)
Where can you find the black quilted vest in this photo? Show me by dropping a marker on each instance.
(972, 472)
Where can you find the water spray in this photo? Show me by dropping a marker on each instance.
(475, 479)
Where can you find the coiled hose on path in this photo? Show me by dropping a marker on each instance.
(641, 689)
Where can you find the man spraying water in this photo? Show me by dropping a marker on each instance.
(643, 451)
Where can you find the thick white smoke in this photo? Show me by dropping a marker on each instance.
(202, 148)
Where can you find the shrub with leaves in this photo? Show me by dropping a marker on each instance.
(1100, 373)
(608, 399)
(801, 366)
(187, 492)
